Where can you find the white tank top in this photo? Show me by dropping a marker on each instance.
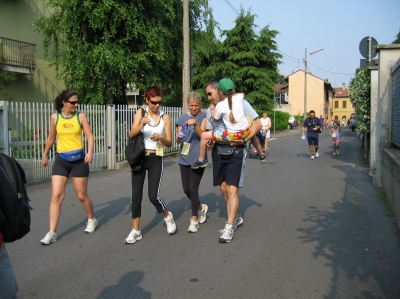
(151, 129)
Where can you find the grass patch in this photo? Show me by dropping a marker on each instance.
(384, 200)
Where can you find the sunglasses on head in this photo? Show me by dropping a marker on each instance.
(155, 102)
(73, 102)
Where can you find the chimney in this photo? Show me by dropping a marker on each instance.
(343, 86)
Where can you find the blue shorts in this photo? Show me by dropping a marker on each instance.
(77, 169)
(312, 141)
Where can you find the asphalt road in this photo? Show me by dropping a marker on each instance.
(312, 229)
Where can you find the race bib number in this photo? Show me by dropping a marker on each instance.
(185, 149)
(160, 149)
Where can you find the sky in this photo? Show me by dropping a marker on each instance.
(337, 26)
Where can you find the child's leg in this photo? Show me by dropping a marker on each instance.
(203, 144)
(337, 144)
(257, 145)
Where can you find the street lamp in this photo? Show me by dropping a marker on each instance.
(305, 79)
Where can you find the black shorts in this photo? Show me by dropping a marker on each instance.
(77, 169)
(230, 171)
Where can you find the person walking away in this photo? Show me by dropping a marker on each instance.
(195, 123)
(228, 172)
(336, 134)
(67, 125)
(156, 129)
(353, 124)
(312, 125)
(265, 130)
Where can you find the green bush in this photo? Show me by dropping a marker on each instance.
(281, 119)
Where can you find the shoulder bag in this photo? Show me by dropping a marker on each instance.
(134, 151)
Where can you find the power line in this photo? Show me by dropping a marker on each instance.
(258, 33)
(293, 59)
(330, 71)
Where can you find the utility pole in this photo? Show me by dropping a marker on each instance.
(186, 57)
(305, 85)
(305, 79)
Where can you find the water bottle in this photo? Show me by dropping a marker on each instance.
(183, 132)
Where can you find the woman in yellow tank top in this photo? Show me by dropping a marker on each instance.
(67, 124)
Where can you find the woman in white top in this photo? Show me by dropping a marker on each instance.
(156, 129)
(265, 129)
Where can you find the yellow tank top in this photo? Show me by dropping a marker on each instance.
(69, 133)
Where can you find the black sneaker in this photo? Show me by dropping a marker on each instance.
(199, 164)
(263, 158)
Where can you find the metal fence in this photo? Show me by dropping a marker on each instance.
(25, 127)
(395, 125)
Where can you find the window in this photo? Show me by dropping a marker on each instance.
(336, 104)
(344, 104)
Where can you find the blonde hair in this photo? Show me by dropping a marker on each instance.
(194, 96)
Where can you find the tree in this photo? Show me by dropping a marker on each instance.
(99, 47)
(397, 40)
(6, 77)
(247, 58)
(360, 95)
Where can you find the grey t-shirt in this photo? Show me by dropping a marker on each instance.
(190, 137)
(219, 125)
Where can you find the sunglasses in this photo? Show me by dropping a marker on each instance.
(210, 93)
(73, 102)
(155, 102)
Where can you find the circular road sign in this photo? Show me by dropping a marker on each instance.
(364, 47)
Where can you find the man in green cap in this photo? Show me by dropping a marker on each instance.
(228, 171)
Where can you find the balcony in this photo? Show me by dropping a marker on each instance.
(19, 56)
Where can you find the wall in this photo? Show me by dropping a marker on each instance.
(391, 180)
(374, 111)
(315, 93)
(388, 56)
(16, 22)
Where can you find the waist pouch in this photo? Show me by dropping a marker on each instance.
(72, 156)
(227, 152)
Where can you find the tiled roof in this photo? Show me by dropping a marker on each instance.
(341, 93)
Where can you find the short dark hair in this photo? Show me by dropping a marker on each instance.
(213, 83)
(311, 111)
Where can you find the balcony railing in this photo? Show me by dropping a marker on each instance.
(19, 56)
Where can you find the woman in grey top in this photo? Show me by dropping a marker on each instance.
(189, 128)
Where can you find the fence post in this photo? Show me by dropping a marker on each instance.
(110, 133)
(4, 131)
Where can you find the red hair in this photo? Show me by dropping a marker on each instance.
(153, 91)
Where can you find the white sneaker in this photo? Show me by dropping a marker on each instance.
(91, 226)
(337, 153)
(226, 234)
(334, 153)
(202, 214)
(133, 236)
(312, 157)
(316, 154)
(169, 221)
(194, 226)
(49, 238)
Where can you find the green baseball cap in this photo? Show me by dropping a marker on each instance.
(225, 84)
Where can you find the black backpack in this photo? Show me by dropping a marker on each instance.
(15, 211)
